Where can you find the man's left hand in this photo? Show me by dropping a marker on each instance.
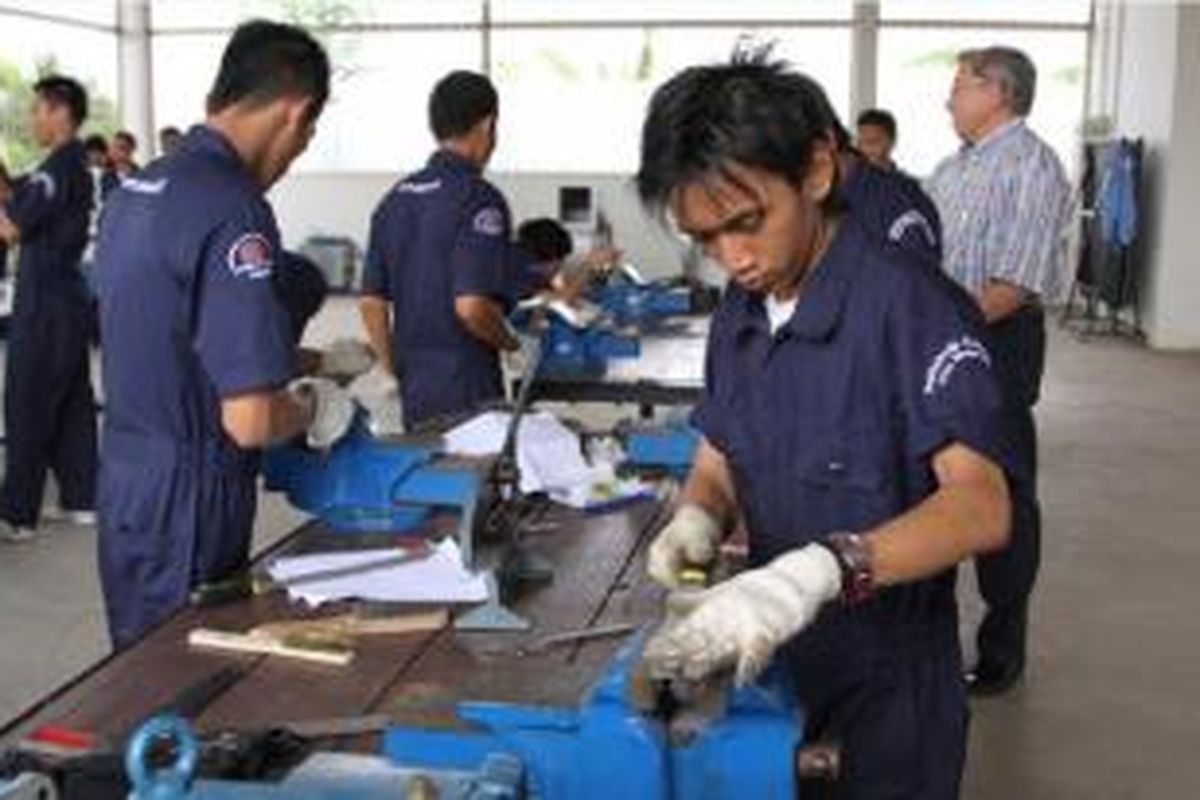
(740, 623)
(8, 230)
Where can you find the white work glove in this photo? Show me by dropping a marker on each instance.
(332, 410)
(346, 359)
(741, 622)
(378, 392)
(690, 539)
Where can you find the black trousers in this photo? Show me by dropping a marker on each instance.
(1006, 578)
(49, 410)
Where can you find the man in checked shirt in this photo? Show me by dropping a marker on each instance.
(1003, 202)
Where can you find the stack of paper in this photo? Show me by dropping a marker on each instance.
(439, 578)
(548, 453)
(549, 458)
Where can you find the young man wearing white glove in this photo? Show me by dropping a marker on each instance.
(851, 420)
(197, 352)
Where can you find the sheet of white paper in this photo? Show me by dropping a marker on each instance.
(673, 360)
(440, 578)
(548, 453)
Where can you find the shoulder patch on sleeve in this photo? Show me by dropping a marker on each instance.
(958, 351)
(911, 219)
(45, 181)
(488, 221)
(250, 257)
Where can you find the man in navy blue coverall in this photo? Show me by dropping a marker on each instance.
(850, 419)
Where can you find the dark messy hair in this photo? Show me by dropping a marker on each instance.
(545, 239)
(265, 61)
(750, 112)
(880, 119)
(59, 90)
(459, 101)
(95, 144)
(126, 137)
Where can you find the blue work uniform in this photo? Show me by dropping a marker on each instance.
(189, 316)
(893, 210)
(439, 234)
(49, 406)
(831, 424)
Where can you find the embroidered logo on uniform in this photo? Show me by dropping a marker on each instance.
(46, 181)
(910, 219)
(418, 187)
(250, 257)
(944, 363)
(489, 222)
(139, 186)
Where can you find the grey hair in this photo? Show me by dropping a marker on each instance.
(1010, 68)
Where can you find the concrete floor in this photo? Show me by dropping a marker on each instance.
(1107, 708)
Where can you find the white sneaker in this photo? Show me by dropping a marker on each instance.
(82, 518)
(15, 534)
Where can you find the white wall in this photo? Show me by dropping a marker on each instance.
(341, 204)
(1175, 301)
(1152, 64)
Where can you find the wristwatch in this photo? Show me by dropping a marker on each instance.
(853, 552)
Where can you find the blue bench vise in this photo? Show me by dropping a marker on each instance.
(603, 749)
(571, 348)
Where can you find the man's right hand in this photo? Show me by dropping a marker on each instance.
(332, 410)
(690, 539)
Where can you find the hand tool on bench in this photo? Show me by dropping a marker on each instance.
(325, 640)
(249, 583)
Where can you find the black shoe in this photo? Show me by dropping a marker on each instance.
(988, 680)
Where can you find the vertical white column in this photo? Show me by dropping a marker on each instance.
(864, 57)
(135, 73)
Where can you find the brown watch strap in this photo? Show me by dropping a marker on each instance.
(853, 552)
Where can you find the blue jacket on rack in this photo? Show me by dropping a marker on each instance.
(1117, 206)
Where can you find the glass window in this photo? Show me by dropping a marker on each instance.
(183, 70)
(376, 116)
(1033, 11)
(917, 65)
(31, 47)
(674, 10)
(574, 100)
(210, 14)
(94, 12)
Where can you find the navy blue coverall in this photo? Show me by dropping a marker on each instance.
(190, 317)
(831, 424)
(49, 405)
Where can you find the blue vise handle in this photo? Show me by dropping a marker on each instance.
(170, 782)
